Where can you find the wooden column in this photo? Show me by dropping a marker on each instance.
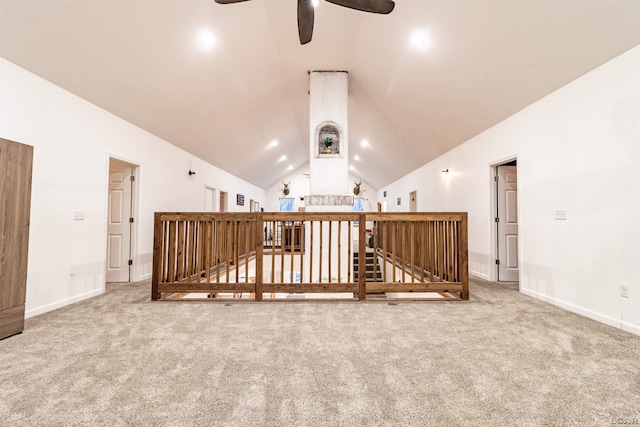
(157, 255)
(362, 258)
(463, 255)
(259, 226)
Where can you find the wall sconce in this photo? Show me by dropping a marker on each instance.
(445, 171)
(191, 172)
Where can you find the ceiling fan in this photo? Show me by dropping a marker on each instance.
(305, 12)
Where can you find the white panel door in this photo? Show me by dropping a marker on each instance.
(508, 268)
(118, 225)
(209, 199)
(413, 203)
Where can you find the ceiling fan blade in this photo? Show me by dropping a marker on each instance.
(228, 1)
(373, 6)
(305, 20)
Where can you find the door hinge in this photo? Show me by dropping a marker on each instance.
(130, 262)
(133, 178)
(130, 220)
(497, 219)
(495, 178)
(497, 262)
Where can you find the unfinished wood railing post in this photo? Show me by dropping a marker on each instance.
(362, 257)
(157, 255)
(259, 254)
(311, 251)
(350, 255)
(463, 251)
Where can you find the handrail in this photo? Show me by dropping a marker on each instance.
(265, 254)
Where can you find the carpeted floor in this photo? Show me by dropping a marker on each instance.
(501, 359)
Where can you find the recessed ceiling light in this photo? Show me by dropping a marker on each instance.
(351, 168)
(315, 3)
(356, 157)
(419, 40)
(282, 158)
(273, 143)
(364, 143)
(206, 40)
(290, 167)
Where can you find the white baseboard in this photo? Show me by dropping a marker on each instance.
(479, 275)
(616, 323)
(59, 304)
(144, 277)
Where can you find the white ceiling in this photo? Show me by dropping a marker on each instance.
(487, 59)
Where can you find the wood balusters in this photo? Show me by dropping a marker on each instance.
(269, 254)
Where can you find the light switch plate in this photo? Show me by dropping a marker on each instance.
(624, 290)
(561, 214)
(78, 216)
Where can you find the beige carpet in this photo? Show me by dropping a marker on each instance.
(501, 359)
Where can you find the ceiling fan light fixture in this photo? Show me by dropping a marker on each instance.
(306, 16)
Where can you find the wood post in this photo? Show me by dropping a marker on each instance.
(362, 258)
(157, 255)
(259, 225)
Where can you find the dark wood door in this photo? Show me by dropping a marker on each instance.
(16, 162)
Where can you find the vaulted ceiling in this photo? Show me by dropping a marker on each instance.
(479, 62)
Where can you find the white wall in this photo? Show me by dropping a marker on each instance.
(299, 187)
(577, 149)
(72, 141)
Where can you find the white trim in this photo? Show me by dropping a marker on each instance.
(216, 198)
(616, 323)
(144, 277)
(479, 275)
(62, 303)
(493, 233)
(133, 239)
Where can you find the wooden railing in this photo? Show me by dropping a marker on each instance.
(266, 255)
(423, 248)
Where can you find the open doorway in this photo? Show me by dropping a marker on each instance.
(506, 221)
(120, 220)
(223, 201)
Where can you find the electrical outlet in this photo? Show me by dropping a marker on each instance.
(624, 290)
(78, 216)
(561, 214)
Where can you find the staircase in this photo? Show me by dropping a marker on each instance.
(372, 267)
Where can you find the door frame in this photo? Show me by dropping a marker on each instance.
(413, 201)
(134, 269)
(223, 205)
(215, 199)
(493, 208)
